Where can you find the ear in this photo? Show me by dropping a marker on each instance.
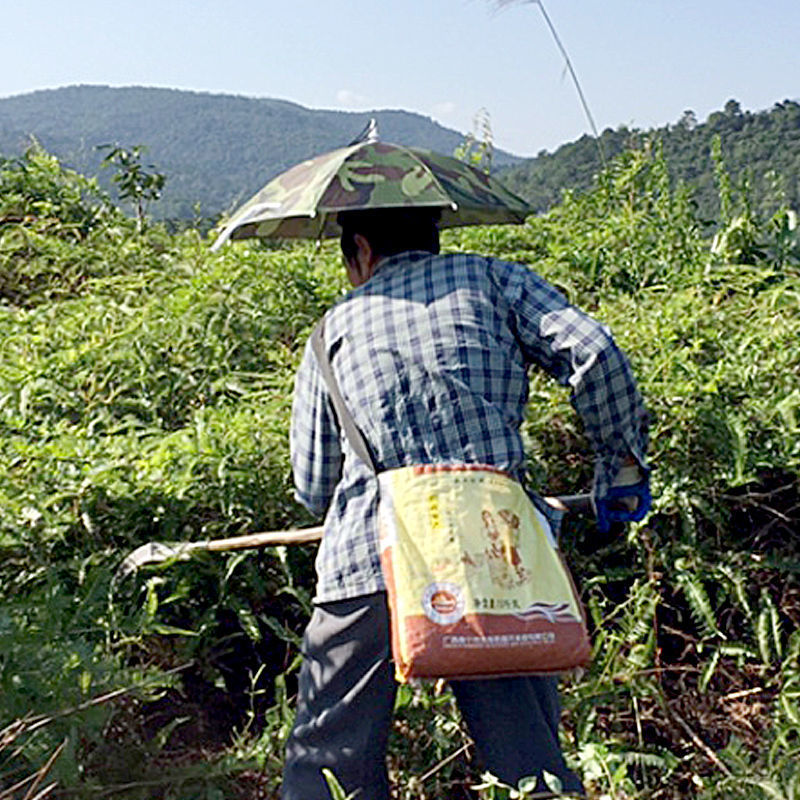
(363, 248)
(363, 264)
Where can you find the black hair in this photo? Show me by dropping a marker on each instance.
(391, 230)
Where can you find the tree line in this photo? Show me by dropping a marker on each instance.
(760, 149)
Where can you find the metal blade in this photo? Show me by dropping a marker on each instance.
(155, 553)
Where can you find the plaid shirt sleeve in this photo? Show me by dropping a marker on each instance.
(314, 438)
(580, 353)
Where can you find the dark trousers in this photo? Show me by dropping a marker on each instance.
(345, 702)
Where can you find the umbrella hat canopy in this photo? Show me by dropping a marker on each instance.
(302, 203)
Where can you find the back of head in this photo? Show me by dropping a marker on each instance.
(391, 230)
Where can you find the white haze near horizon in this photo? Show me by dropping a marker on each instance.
(641, 62)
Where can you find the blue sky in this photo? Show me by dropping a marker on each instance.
(641, 62)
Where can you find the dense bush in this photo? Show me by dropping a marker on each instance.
(145, 388)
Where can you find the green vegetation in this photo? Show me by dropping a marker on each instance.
(145, 389)
(217, 150)
(136, 183)
(761, 148)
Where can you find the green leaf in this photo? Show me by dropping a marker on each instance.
(334, 787)
(709, 668)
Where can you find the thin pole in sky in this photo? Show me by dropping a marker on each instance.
(557, 39)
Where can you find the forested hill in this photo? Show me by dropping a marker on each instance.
(216, 150)
(766, 144)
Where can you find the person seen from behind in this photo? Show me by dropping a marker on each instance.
(432, 354)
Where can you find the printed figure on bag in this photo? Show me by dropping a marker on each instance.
(502, 554)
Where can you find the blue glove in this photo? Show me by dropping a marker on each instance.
(617, 505)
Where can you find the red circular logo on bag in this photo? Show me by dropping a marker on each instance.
(443, 603)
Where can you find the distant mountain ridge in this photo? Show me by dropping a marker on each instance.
(762, 147)
(218, 149)
(215, 149)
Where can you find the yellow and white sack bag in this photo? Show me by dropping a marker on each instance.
(476, 584)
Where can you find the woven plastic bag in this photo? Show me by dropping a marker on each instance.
(476, 584)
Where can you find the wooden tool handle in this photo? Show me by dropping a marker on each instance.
(266, 539)
(156, 552)
(572, 503)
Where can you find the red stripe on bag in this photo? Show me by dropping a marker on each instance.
(430, 469)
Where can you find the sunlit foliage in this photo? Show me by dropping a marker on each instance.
(145, 389)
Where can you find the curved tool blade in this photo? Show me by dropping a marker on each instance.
(157, 552)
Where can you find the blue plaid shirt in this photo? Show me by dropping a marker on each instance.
(432, 357)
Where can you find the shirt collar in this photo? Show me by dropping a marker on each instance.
(387, 263)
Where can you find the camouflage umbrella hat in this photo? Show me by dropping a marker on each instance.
(302, 203)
